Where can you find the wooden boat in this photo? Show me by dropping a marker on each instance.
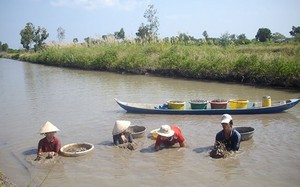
(252, 108)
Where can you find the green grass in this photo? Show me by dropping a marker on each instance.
(269, 64)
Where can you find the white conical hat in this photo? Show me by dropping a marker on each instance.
(48, 127)
(120, 126)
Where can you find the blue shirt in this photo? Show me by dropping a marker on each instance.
(233, 142)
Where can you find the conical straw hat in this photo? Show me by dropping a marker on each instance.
(48, 127)
(120, 126)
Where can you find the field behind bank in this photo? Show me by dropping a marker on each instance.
(270, 64)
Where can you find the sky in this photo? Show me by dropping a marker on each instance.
(93, 18)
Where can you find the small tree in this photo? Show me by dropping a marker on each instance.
(39, 37)
(277, 36)
(27, 35)
(3, 47)
(143, 32)
(149, 31)
(120, 34)
(225, 39)
(152, 19)
(263, 34)
(296, 33)
(60, 34)
(75, 40)
(241, 40)
(205, 35)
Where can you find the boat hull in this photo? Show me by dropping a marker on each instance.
(154, 109)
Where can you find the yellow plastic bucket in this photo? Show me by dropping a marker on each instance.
(238, 103)
(266, 101)
(178, 105)
(232, 104)
(241, 103)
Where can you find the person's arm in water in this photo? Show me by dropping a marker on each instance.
(57, 148)
(157, 147)
(157, 143)
(236, 141)
(181, 144)
(129, 137)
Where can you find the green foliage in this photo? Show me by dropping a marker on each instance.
(27, 35)
(205, 35)
(120, 34)
(143, 33)
(263, 34)
(148, 32)
(60, 34)
(277, 36)
(75, 40)
(225, 40)
(153, 23)
(262, 63)
(104, 60)
(295, 31)
(40, 36)
(3, 47)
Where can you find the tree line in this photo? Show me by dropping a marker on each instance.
(148, 32)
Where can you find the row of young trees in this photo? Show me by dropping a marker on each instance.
(148, 32)
(30, 35)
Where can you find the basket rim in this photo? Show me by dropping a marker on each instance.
(250, 132)
(72, 144)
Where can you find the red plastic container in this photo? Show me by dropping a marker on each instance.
(218, 105)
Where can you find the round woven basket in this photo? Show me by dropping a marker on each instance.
(76, 149)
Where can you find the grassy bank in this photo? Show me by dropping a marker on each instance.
(268, 64)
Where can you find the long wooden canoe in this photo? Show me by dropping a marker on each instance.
(145, 108)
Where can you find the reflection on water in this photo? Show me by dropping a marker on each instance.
(81, 105)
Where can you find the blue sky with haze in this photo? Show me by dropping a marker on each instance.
(94, 18)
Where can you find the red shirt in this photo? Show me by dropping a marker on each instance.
(45, 146)
(176, 138)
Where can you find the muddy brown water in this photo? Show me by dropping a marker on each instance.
(81, 105)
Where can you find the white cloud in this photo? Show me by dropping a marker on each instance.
(95, 4)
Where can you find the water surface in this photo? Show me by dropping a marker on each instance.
(81, 105)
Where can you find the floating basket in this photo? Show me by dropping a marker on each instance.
(246, 132)
(137, 131)
(76, 149)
